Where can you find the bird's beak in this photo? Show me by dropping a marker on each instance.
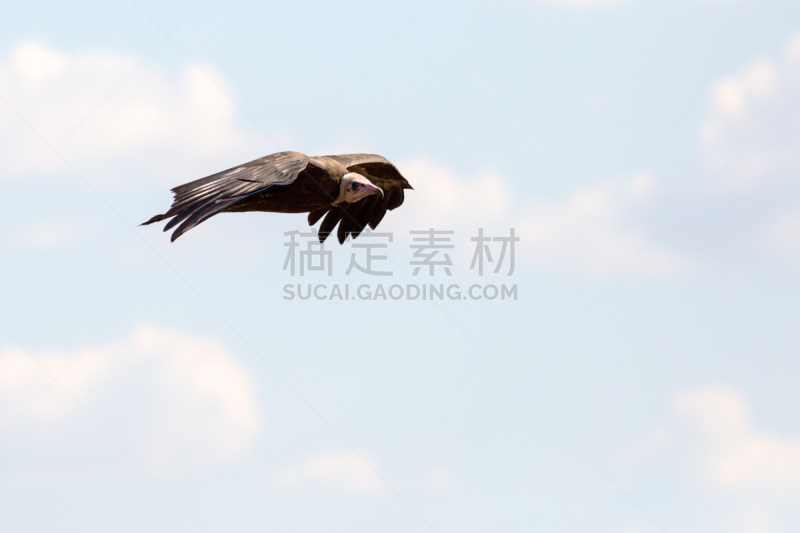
(372, 189)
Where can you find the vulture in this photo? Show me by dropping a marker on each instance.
(350, 190)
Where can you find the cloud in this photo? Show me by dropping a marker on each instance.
(748, 478)
(167, 397)
(177, 118)
(731, 453)
(439, 193)
(756, 110)
(594, 230)
(749, 111)
(724, 451)
(341, 471)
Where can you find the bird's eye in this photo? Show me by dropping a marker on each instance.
(355, 186)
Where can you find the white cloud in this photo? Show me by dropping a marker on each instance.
(343, 471)
(721, 447)
(166, 396)
(747, 477)
(181, 118)
(593, 230)
(440, 193)
(726, 451)
(337, 471)
(731, 453)
(756, 110)
(752, 106)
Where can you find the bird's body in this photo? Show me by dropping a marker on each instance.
(311, 190)
(349, 190)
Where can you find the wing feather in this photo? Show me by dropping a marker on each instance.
(331, 219)
(380, 210)
(201, 199)
(349, 219)
(314, 216)
(364, 215)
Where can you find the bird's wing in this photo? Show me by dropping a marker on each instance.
(198, 200)
(352, 218)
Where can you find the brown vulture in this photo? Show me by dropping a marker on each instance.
(349, 190)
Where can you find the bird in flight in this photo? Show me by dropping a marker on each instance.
(350, 190)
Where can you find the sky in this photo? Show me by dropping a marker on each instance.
(640, 377)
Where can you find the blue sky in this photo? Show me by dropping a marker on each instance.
(644, 379)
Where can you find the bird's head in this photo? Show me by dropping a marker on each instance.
(354, 187)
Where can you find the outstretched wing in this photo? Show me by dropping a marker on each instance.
(352, 218)
(198, 200)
